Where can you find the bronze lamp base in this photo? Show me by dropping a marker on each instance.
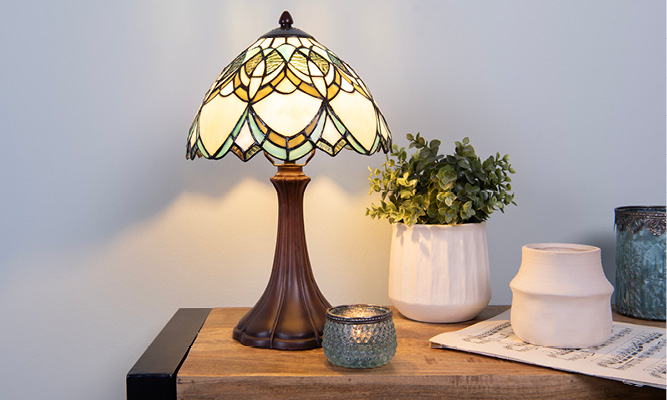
(290, 314)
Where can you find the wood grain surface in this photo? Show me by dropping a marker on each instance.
(218, 367)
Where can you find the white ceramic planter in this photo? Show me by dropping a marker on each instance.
(560, 296)
(439, 273)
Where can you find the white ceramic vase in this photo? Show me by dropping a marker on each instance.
(439, 273)
(560, 296)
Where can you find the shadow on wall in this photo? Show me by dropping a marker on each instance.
(607, 245)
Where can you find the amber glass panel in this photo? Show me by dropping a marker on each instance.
(296, 140)
(277, 139)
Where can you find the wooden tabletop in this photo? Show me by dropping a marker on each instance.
(218, 367)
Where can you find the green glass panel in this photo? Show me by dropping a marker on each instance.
(225, 147)
(274, 150)
(255, 130)
(202, 150)
(355, 144)
(299, 62)
(251, 53)
(337, 62)
(321, 63)
(317, 132)
(322, 52)
(193, 128)
(375, 145)
(286, 50)
(273, 61)
(300, 151)
(339, 125)
(232, 67)
(239, 124)
(252, 63)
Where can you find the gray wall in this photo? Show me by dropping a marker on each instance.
(107, 229)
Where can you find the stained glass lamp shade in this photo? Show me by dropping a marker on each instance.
(286, 96)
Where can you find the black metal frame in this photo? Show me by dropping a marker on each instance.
(153, 376)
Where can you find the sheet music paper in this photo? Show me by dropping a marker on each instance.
(634, 354)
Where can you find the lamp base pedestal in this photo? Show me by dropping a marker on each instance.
(290, 314)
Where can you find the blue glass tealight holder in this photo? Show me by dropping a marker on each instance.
(359, 336)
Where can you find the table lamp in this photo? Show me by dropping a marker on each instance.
(287, 95)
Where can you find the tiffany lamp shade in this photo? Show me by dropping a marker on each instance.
(287, 95)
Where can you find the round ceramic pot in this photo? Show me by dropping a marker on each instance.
(439, 273)
(560, 296)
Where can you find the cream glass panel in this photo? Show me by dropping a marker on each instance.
(244, 78)
(345, 85)
(278, 41)
(330, 133)
(330, 75)
(259, 69)
(285, 86)
(358, 115)
(306, 42)
(320, 85)
(287, 114)
(217, 119)
(225, 91)
(384, 132)
(314, 71)
(244, 139)
(254, 85)
(268, 78)
(263, 43)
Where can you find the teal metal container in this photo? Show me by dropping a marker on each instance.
(640, 262)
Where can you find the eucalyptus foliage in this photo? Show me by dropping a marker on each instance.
(430, 188)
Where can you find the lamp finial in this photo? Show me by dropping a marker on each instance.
(285, 20)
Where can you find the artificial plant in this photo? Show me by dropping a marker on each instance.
(431, 188)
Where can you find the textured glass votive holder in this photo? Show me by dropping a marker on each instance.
(359, 336)
(640, 262)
